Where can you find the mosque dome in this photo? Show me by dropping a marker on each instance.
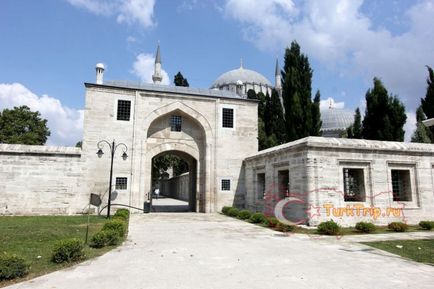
(241, 74)
(246, 78)
(335, 121)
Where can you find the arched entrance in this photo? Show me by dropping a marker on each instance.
(174, 175)
(180, 130)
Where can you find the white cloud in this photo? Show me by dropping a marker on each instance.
(336, 33)
(126, 11)
(325, 104)
(143, 67)
(65, 124)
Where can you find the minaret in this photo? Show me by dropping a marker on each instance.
(99, 73)
(157, 77)
(278, 83)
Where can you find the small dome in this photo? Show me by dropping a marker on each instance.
(99, 65)
(243, 75)
(336, 119)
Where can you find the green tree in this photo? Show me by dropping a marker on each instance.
(20, 125)
(428, 101)
(180, 80)
(384, 116)
(251, 94)
(79, 144)
(273, 118)
(296, 93)
(316, 115)
(422, 134)
(355, 130)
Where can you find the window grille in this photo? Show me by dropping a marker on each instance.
(124, 110)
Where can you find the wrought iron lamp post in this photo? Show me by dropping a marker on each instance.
(113, 146)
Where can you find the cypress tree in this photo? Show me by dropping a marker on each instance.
(179, 80)
(422, 134)
(428, 101)
(296, 93)
(316, 115)
(355, 130)
(384, 116)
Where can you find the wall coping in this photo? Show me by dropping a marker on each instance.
(39, 150)
(348, 144)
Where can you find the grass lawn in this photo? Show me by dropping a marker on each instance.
(34, 236)
(417, 250)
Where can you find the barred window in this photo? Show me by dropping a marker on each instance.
(260, 186)
(401, 185)
(226, 185)
(124, 110)
(354, 185)
(228, 117)
(175, 122)
(121, 183)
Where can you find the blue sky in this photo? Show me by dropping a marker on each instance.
(50, 48)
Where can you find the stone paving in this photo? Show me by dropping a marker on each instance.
(168, 250)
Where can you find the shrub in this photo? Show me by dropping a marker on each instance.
(68, 250)
(427, 225)
(105, 238)
(272, 222)
(116, 225)
(122, 214)
(329, 228)
(365, 227)
(398, 226)
(233, 212)
(281, 227)
(12, 266)
(244, 215)
(258, 218)
(225, 210)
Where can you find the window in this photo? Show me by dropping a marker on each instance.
(228, 117)
(175, 122)
(354, 185)
(401, 185)
(226, 185)
(260, 186)
(283, 181)
(121, 183)
(124, 110)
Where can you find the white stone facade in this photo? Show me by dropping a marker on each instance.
(317, 193)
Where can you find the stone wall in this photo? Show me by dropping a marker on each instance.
(316, 171)
(177, 187)
(41, 180)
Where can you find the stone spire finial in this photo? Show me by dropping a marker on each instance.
(158, 55)
(277, 70)
(157, 77)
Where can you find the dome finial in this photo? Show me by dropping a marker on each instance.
(330, 103)
(241, 62)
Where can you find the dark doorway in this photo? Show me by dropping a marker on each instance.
(174, 176)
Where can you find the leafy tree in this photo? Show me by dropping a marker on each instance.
(296, 93)
(428, 101)
(262, 98)
(20, 125)
(316, 115)
(251, 94)
(273, 118)
(355, 130)
(79, 144)
(422, 134)
(180, 80)
(384, 116)
(163, 163)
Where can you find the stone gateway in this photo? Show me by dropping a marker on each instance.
(215, 132)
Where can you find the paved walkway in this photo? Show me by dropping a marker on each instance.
(213, 251)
